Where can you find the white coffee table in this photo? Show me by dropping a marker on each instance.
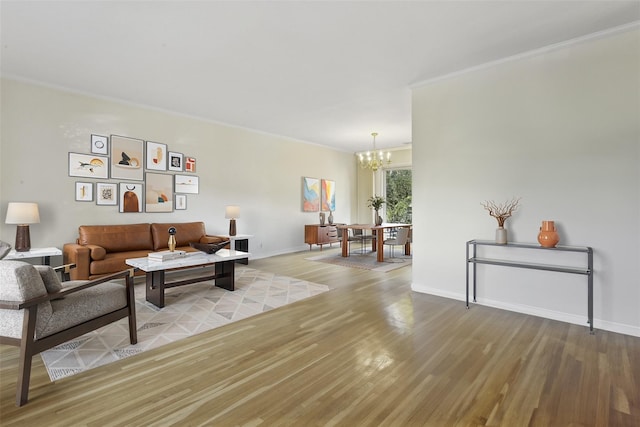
(222, 261)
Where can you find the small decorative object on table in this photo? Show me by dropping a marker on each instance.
(548, 236)
(501, 213)
(172, 239)
(376, 202)
(209, 248)
(321, 218)
(330, 218)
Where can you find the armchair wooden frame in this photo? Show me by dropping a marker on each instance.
(30, 346)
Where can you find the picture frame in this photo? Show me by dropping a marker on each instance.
(88, 166)
(328, 195)
(186, 184)
(127, 158)
(310, 194)
(156, 156)
(175, 161)
(106, 194)
(190, 164)
(158, 192)
(99, 144)
(181, 202)
(84, 191)
(130, 197)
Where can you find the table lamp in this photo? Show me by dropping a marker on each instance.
(22, 214)
(231, 213)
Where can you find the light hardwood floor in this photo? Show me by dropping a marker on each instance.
(368, 353)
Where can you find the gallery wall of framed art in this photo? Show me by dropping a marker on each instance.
(134, 174)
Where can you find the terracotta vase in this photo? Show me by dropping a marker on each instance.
(548, 236)
(501, 235)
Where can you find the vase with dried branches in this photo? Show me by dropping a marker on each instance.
(501, 212)
(376, 202)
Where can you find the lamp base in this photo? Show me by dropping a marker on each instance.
(23, 239)
(232, 227)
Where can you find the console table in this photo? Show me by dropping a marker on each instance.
(587, 270)
(315, 234)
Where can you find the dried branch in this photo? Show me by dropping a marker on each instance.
(502, 211)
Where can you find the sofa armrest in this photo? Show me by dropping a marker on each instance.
(73, 253)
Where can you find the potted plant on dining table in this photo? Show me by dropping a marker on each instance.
(376, 202)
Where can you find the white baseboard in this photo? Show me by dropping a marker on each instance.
(620, 328)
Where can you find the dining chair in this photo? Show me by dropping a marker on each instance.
(401, 239)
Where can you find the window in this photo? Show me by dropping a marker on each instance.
(398, 195)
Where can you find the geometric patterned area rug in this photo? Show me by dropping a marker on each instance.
(188, 310)
(366, 261)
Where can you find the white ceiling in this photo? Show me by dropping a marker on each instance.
(326, 72)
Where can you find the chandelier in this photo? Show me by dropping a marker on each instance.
(374, 160)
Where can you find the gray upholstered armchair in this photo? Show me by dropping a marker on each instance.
(38, 312)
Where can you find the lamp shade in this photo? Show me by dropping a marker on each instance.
(22, 213)
(232, 212)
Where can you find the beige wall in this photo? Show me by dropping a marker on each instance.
(261, 173)
(561, 129)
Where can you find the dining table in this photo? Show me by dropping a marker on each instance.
(377, 242)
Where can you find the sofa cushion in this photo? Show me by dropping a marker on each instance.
(117, 238)
(114, 262)
(84, 305)
(185, 232)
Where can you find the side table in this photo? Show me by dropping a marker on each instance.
(44, 253)
(239, 242)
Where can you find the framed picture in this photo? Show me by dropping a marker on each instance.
(99, 144)
(131, 197)
(88, 165)
(181, 202)
(310, 194)
(159, 192)
(156, 156)
(127, 158)
(106, 194)
(84, 191)
(175, 161)
(186, 184)
(190, 164)
(328, 192)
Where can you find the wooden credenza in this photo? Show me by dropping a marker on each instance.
(316, 234)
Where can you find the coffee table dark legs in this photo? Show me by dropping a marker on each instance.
(155, 281)
(155, 288)
(225, 275)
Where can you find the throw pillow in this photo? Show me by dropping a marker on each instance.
(50, 278)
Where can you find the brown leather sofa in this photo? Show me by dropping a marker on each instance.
(103, 249)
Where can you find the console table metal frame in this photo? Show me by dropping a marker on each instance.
(588, 271)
